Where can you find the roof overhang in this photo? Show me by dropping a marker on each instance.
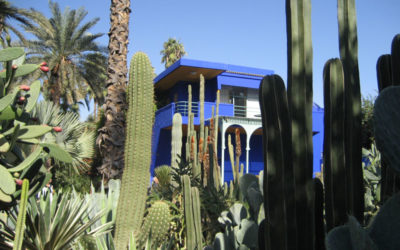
(189, 70)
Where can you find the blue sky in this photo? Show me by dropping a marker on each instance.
(248, 33)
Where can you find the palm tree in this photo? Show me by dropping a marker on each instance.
(7, 12)
(172, 52)
(63, 41)
(94, 68)
(111, 137)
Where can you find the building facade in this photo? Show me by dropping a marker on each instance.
(239, 108)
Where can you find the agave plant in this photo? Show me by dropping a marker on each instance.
(59, 221)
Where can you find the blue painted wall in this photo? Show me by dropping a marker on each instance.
(251, 79)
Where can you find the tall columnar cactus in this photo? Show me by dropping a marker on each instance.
(201, 113)
(396, 60)
(387, 69)
(136, 176)
(279, 189)
(176, 142)
(348, 45)
(300, 94)
(384, 71)
(191, 201)
(336, 189)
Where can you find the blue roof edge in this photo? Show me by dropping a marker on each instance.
(212, 65)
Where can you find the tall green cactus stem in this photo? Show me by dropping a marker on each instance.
(136, 176)
(201, 114)
(336, 191)
(19, 230)
(300, 94)
(192, 214)
(319, 214)
(278, 184)
(189, 124)
(348, 45)
(384, 71)
(215, 141)
(396, 60)
(176, 142)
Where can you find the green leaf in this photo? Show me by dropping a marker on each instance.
(28, 161)
(25, 69)
(4, 144)
(7, 183)
(7, 100)
(19, 61)
(11, 53)
(57, 152)
(7, 114)
(5, 197)
(32, 96)
(33, 131)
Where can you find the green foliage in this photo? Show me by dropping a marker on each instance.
(136, 176)
(65, 42)
(172, 52)
(20, 227)
(372, 182)
(58, 221)
(20, 150)
(367, 126)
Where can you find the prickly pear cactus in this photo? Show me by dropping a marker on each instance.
(16, 134)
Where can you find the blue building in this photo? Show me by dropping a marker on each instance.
(239, 108)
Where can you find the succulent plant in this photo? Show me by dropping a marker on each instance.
(21, 153)
(136, 176)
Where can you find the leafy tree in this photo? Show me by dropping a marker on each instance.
(9, 12)
(172, 52)
(111, 137)
(367, 126)
(65, 43)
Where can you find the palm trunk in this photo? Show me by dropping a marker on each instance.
(111, 137)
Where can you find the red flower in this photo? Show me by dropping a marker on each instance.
(44, 68)
(24, 87)
(43, 64)
(19, 182)
(57, 129)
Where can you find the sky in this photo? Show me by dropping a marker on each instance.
(247, 33)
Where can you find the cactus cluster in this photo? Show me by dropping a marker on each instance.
(294, 202)
(136, 176)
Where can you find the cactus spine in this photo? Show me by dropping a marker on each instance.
(348, 45)
(334, 162)
(300, 93)
(136, 176)
(278, 184)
